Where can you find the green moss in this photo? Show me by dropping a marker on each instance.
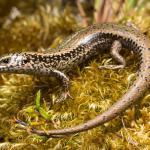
(93, 90)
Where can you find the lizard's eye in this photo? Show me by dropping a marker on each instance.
(6, 60)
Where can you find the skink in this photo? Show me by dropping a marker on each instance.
(75, 50)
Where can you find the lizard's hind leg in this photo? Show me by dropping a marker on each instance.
(115, 49)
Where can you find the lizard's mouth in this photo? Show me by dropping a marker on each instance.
(3, 67)
(4, 63)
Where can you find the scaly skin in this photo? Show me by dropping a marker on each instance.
(74, 51)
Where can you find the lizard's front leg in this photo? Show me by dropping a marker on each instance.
(65, 85)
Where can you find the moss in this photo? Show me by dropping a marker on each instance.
(93, 90)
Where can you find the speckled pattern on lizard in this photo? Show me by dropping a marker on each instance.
(78, 48)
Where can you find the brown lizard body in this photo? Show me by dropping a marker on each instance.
(74, 51)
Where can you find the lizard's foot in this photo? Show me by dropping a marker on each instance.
(64, 96)
(113, 67)
(65, 85)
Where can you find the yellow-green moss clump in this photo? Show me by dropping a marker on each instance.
(93, 90)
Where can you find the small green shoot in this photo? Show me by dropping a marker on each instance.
(132, 3)
(38, 107)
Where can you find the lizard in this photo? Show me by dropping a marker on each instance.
(79, 47)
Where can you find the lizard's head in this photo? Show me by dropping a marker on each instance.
(13, 63)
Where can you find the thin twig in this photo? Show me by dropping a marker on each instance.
(119, 7)
(82, 13)
(104, 12)
(129, 137)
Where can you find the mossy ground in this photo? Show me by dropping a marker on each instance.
(93, 90)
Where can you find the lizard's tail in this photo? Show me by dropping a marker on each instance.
(135, 91)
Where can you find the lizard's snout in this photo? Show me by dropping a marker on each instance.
(4, 61)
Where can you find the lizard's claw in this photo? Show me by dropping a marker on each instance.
(64, 96)
(113, 67)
